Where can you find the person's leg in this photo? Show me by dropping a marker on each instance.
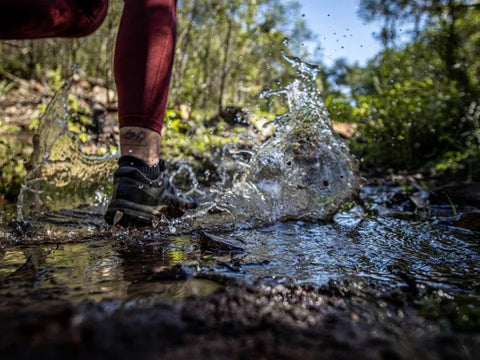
(33, 19)
(143, 65)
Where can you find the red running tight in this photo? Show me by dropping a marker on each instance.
(144, 50)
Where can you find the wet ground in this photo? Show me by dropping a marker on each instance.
(378, 282)
(346, 319)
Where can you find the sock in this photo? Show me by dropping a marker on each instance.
(150, 171)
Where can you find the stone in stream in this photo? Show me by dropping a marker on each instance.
(217, 244)
(469, 221)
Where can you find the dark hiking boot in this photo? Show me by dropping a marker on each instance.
(143, 193)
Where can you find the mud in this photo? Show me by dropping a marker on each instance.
(346, 319)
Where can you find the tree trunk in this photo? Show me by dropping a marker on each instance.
(224, 73)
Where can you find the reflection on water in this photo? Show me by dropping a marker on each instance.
(98, 269)
(66, 261)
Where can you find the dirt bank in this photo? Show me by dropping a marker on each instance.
(348, 319)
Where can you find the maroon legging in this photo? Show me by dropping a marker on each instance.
(143, 54)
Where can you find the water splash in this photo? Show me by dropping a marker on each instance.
(305, 171)
(62, 176)
(187, 172)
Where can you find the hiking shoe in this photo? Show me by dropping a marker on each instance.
(143, 193)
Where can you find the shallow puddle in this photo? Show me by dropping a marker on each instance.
(73, 256)
(387, 249)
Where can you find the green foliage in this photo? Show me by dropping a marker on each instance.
(415, 105)
(174, 121)
(13, 153)
(407, 122)
(79, 118)
(6, 86)
(228, 51)
(203, 143)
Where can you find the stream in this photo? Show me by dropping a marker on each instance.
(73, 255)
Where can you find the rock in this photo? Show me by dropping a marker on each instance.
(185, 112)
(458, 194)
(175, 272)
(469, 221)
(214, 243)
(232, 115)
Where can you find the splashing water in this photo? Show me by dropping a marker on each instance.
(305, 171)
(62, 176)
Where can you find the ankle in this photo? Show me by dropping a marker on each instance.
(141, 143)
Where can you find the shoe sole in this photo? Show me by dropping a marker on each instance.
(132, 213)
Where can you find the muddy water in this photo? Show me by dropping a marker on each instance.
(73, 255)
(387, 249)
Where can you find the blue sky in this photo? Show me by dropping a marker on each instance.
(340, 31)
